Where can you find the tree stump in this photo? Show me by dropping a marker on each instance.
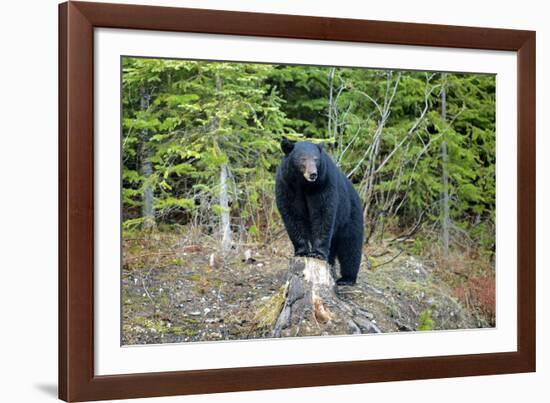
(312, 306)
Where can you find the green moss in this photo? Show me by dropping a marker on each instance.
(149, 324)
(190, 320)
(194, 277)
(180, 330)
(373, 261)
(163, 327)
(268, 312)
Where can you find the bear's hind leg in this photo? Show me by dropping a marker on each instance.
(349, 253)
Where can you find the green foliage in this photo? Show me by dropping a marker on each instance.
(383, 128)
(418, 245)
(426, 321)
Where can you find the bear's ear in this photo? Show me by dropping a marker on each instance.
(287, 146)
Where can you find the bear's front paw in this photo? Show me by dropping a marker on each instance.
(301, 252)
(317, 255)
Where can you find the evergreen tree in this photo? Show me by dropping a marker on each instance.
(200, 144)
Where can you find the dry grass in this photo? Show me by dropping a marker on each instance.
(478, 295)
(471, 277)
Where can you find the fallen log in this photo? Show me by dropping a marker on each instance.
(312, 306)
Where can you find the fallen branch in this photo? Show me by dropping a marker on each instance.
(413, 231)
(388, 261)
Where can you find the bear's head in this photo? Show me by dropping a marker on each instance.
(304, 158)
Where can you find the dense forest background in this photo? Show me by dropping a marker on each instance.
(200, 146)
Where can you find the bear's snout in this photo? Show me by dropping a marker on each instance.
(310, 171)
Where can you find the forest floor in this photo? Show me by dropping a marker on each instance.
(177, 289)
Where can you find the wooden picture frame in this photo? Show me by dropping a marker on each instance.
(77, 21)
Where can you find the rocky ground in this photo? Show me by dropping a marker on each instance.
(177, 290)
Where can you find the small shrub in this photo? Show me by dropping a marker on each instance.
(426, 321)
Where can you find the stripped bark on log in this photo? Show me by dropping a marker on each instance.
(312, 306)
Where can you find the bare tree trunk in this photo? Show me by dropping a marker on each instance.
(445, 219)
(331, 102)
(225, 214)
(312, 306)
(147, 207)
(225, 217)
(332, 127)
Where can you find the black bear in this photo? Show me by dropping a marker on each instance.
(320, 208)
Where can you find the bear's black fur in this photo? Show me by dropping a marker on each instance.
(320, 209)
